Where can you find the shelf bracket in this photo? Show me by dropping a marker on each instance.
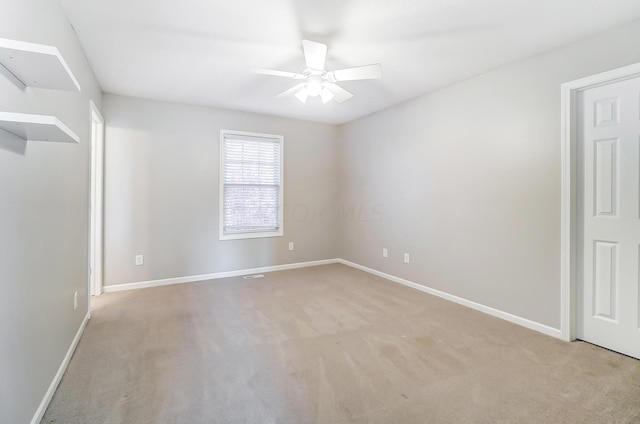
(12, 77)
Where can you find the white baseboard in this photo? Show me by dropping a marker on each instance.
(214, 276)
(58, 377)
(532, 325)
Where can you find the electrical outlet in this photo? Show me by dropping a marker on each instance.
(139, 260)
(406, 258)
(290, 245)
(385, 253)
(75, 300)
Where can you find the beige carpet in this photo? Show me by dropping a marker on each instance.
(328, 345)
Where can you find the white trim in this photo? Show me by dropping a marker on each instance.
(214, 276)
(568, 188)
(58, 377)
(96, 198)
(532, 325)
(249, 235)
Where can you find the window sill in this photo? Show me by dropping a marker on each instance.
(240, 236)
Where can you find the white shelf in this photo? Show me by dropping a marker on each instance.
(37, 65)
(37, 127)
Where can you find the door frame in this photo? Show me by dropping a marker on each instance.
(568, 245)
(96, 205)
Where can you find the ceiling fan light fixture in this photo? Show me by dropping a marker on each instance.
(303, 94)
(314, 85)
(326, 95)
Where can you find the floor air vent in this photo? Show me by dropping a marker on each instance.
(253, 277)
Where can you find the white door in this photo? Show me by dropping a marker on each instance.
(608, 225)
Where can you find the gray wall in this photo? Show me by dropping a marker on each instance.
(161, 191)
(467, 180)
(43, 218)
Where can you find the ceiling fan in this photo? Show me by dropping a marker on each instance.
(317, 80)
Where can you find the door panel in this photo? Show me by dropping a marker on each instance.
(605, 273)
(606, 177)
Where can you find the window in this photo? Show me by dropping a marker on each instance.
(250, 185)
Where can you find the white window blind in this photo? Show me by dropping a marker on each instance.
(251, 185)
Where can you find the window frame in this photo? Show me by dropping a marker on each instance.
(250, 234)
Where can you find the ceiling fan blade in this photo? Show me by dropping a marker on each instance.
(326, 95)
(303, 95)
(290, 91)
(273, 72)
(315, 54)
(339, 93)
(358, 73)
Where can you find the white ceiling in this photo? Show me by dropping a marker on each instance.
(199, 52)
